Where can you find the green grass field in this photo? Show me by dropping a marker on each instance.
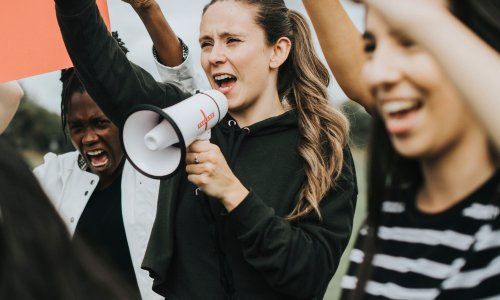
(360, 161)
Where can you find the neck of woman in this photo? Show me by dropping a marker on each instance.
(259, 111)
(454, 174)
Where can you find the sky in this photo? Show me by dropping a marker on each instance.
(184, 17)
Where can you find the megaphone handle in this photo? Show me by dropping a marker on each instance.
(205, 136)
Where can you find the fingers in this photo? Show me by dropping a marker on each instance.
(200, 162)
(206, 167)
(140, 4)
(201, 146)
(201, 152)
(199, 175)
(198, 180)
(195, 158)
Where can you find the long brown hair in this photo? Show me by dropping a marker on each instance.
(302, 83)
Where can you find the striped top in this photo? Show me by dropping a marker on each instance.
(454, 254)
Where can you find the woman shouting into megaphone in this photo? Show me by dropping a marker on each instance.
(277, 180)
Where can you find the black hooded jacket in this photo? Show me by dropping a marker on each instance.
(197, 250)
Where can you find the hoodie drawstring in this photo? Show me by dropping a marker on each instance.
(232, 132)
(233, 146)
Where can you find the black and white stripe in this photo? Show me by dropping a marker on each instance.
(451, 255)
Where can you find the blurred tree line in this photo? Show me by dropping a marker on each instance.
(360, 122)
(37, 131)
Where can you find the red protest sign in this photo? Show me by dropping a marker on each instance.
(30, 40)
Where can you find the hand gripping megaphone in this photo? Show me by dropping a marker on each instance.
(155, 140)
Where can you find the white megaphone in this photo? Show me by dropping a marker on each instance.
(155, 140)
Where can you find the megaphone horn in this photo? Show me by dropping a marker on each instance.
(155, 140)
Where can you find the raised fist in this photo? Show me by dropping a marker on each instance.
(140, 4)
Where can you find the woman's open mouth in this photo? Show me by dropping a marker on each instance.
(225, 82)
(97, 158)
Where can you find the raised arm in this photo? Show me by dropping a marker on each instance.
(10, 96)
(166, 43)
(172, 57)
(471, 64)
(342, 46)
(115, 84)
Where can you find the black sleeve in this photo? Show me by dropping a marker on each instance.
(299, 258)
(114, 83)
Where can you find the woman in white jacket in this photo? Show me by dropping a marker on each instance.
(117, 228)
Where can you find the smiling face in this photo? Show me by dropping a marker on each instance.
(95, 137)
(236, 57)
(422, 110)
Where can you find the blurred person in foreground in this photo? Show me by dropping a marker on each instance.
(38, 261)
(433, 223)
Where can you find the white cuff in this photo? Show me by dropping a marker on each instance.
(186, 74)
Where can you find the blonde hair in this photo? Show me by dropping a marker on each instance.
(324, 129)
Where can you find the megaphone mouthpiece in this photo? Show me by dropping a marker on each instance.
(160, 137)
